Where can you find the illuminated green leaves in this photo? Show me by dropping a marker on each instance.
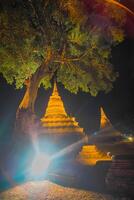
(80, 51)
(78, 37)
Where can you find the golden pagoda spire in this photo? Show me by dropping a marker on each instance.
(55, 105)
(55, 90)
(104, 121)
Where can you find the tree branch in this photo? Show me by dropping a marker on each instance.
(65, 60)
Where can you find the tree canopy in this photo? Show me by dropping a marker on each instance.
(77, 42)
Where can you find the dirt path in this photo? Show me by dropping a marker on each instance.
(45, 190)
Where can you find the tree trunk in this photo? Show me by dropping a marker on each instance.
(30, 95)
(32, 84)
(25, 116)
(25, 101)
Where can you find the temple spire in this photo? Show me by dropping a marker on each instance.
(55, 105)
(104, 121)
(55, 90)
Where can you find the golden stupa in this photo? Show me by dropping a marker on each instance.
(104, 121)
(90, 155)
(107, 133)
(57, 125)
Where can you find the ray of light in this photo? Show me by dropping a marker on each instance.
(70, 148)
(84, 140)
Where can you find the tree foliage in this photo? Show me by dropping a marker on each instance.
(80, 47)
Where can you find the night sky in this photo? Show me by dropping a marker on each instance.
(118, 104)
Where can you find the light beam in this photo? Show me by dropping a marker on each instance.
(40, 165)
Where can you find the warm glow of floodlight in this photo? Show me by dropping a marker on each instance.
(40, 165)
(130, 139)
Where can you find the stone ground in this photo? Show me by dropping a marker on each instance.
(46, 190)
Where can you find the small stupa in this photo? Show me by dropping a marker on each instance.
(104, 121)
(90, 155)
(57, 125)
(107, 133)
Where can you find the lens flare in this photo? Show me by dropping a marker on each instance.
(70, 148)
(40, 165)
(121, 6)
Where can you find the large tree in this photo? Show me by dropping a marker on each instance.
(40, 39)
